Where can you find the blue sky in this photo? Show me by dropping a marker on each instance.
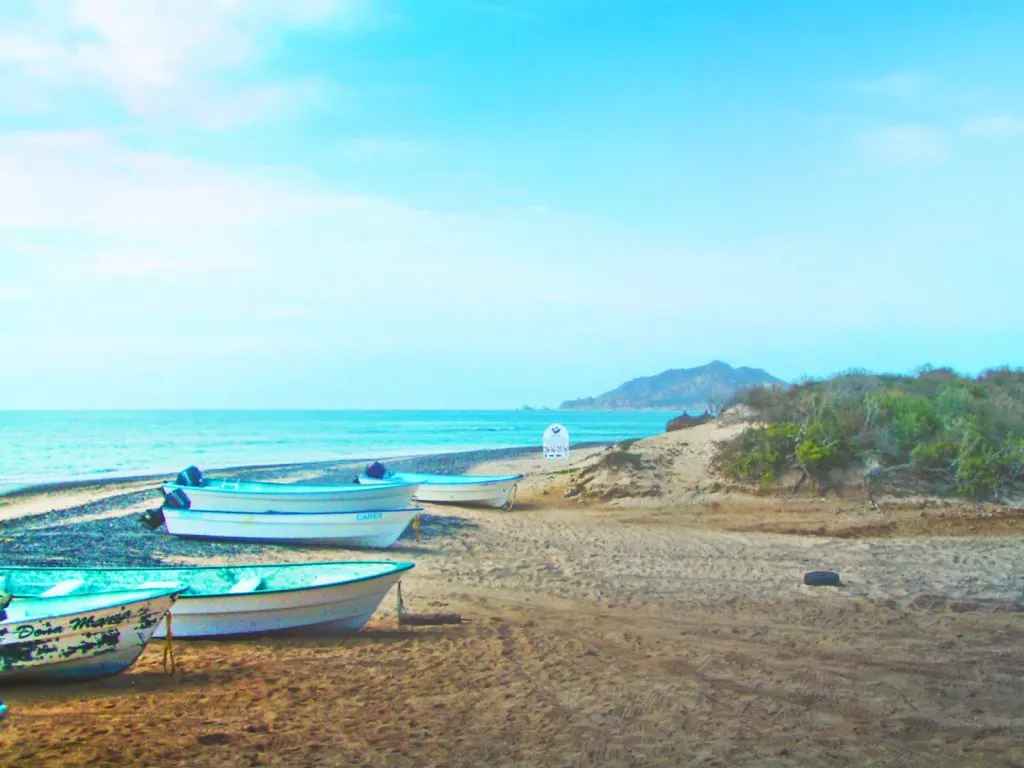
(460, 203)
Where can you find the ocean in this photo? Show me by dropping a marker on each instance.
(39, 447)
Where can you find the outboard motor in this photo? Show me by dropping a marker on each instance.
(152, 518)
(177, 499)
(191, 477)
(376, 470)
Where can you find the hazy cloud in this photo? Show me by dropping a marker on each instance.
(379, 148)
(911, 146)
(164, 58)
(895, 85)
(995, 126)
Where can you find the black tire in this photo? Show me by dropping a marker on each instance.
(821, 579)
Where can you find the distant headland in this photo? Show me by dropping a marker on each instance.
(681, 389)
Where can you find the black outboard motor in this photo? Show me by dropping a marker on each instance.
(177, 499)
(191, 477)
(376, 471)
(152, 518)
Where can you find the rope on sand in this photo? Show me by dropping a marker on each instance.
(406, 619)
(511, 498)
(169, 649)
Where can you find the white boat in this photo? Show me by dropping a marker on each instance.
(377, 528)
(79, 637)
(255, 497)
(475, 490)
(237, 599)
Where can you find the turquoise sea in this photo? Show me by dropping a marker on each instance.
(52, 446)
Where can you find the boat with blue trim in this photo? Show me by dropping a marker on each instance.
(235, 599)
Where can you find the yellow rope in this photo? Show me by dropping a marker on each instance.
(169, 648)
(511, 498)
(416, 527)
(400, 608)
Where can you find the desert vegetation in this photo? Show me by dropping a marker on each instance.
(954, 434)
(685, 420)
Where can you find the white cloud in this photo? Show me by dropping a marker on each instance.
(912, 87)
(896, 85)
(158, 58)
(225, 243)
(255, 103)
(123, 256)
(995, 126)
(910, 146)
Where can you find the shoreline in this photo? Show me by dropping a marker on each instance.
(75, 523)
(333, 471)
(106, 447)
(97, 482)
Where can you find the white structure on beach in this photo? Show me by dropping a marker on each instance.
(556, 442)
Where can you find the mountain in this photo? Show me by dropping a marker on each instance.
(683, 389)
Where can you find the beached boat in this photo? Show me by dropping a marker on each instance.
(475, 490)
(237, 599)
(78, 637)
(256, 497)
(376, 529)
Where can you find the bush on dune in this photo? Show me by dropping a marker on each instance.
(963, 434)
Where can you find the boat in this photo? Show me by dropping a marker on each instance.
(253, 497)
(79, 637)
(236, 599)
(376, 529)
(476, 490)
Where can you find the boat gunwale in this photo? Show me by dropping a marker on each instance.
(451, 479)
(312, 490)
(155, 594)
(397, 567)
(298, 514)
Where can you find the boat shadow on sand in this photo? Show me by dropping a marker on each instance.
(192, 668)
(189, 673)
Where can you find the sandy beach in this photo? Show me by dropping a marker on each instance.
(625, 612)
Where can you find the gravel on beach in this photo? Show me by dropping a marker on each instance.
(98, 534)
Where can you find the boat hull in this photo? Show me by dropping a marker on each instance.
(495, 495)
(470, 491)
(374, 529)
(344, 607)
(82, 645)
(258, 498)
(232, 600)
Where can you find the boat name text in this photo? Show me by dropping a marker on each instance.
(91, 622)
(29, 631)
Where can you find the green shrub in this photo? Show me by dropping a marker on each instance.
(909, 418)
(977, 468)
(934, 455)
(813, 455)
(969, 429)
(760, 455)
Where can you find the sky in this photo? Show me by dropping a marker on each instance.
(490, 203)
